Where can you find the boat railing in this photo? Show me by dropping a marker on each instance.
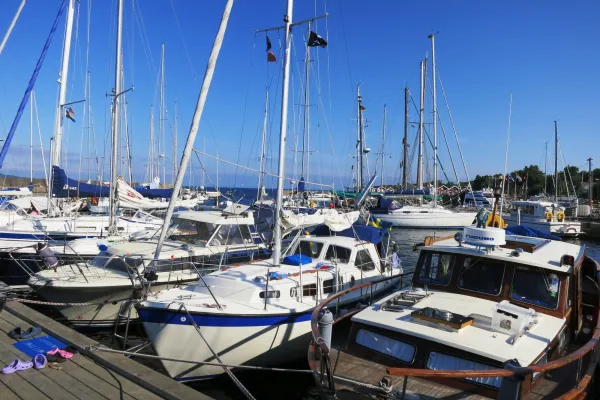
(320, 364)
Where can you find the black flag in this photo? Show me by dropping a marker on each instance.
(315, 40)
(268, 44)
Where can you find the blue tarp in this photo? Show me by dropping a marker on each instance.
(362, 232)
(39, 345)
(297, 259)
(526, 231)
(154, 193)
(63, 186)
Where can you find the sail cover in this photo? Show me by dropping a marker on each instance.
(63, 186)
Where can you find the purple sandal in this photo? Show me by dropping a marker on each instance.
(17, 365)
(40, 361)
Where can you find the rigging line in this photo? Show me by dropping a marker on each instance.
(454, 130)
(245, 107)
(217, 158)
(187, 53)
(144, 37)
(351, 85)
(37, 118)
(66, 133)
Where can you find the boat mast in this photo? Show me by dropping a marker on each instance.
(31, 138)
(263, 149)
(62, 82)
(555, 161)
(421, 122)
(405, 141)
(175, 144)
(151, 155)
(12, 25)
(383, 143)
(590, 180)
(115, 123)
(189, 144)
(546, 170)
(359, 143)
(306, 123)
(435, 163)
(161, 125)
(287, 19)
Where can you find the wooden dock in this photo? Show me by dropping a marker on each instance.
(88, 375)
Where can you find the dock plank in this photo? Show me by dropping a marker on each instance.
(111, 371)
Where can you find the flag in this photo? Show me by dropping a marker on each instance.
(510, 178)
(70, 114)
(271, 57)
(362, 108)
(268, 44)
(519, 179)
(315, 40)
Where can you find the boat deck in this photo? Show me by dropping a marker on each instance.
(364, 371)
(88, 375)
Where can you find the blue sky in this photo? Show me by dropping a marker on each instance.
(544, 52)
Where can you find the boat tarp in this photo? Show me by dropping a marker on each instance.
(362, 232)
(527, 231)
(63, 186)
(154, 193)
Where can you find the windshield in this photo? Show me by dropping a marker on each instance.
(308, 248)
(535, 286)
(101, 259)
(435, 268)
(185, 230)
(482, 275)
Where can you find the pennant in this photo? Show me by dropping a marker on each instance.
(268, 44)
(362, 108)
(315, 40)
(71, 111)
(271, 57)
(70, 116)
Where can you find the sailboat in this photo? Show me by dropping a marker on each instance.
(258, 313)
(432, 215)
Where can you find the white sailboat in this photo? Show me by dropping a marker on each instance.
(259, 313)
(432, 216)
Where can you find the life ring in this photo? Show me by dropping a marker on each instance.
(560, 217)
(548, 216)
(495, 221)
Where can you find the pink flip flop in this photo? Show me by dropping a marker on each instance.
(17, 365)
(62, 353)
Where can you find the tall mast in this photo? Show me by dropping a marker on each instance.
(263, 148)
(151, 155)
(555, 161)
(546, 170)
(359, 143)
(405, 141)
(175, 144)
(287, 19)
(161, 125)
(189, 144)
(62, 82)
(435, 163)
(12, 25)
(115, 122)
(590, 180)
(383, 143)
(306, 123)
(31, 138)
(421, 122)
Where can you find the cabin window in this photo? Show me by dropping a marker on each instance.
(101, 259)
(270, 294)
(178, 264)
(116, 264)
(482, 275)
(308, 248)
(228, 235)
(435, 268)
(328, 286)
(364, 261)
(189, 231)
(385, 345)
(309, 290)
(338, 254)
(442, 362)
(535, 286)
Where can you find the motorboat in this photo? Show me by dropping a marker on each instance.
(425, 216)
(487, 314)
(259, 313)
(545, 216)
(477, 199)
(96, 291)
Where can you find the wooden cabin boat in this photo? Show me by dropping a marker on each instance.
(486, 315)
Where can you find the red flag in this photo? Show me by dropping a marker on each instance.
(271, 57)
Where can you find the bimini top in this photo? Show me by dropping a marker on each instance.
(362, 232)
(216, 217)
(537, 252)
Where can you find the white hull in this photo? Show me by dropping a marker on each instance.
(431, 220)
(563, 229)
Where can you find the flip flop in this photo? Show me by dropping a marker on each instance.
(31, 332)
(17, 365)
(40, 361)
(65, 354)
(53, 351)
(16, 333)
(55, 358)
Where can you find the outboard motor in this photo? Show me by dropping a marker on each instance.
(47, 255)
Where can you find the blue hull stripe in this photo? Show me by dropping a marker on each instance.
(181, 318)
(43, 236)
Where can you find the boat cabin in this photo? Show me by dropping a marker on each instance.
(483, 300)
(539, 210)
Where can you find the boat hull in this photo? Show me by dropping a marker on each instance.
(562, 229)
(428, 220)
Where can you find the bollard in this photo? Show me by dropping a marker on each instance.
(325, 324)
